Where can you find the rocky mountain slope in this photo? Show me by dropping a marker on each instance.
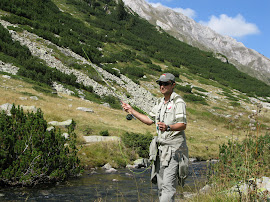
(39, 47)
(195, 34)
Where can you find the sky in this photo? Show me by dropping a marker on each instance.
(247, 21)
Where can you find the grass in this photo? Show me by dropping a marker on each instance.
(204, 133)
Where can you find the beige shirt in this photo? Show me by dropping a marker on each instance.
(174, 111)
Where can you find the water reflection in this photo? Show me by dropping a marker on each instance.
(100, 186)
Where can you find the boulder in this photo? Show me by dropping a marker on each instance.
(141, 163)
(64, 124)
(85, 109)
(6, 108)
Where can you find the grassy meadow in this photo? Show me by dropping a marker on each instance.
(205, 131)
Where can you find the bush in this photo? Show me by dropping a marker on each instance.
(133, 71)
(29, 154)
(138, 142)
(113, 101)
(195, 98)
(154, 67)
(174, 72)
(104, 133)
(185, 89)
(233, 167)
(200, 89)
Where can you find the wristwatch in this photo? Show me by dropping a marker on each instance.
(168, 128)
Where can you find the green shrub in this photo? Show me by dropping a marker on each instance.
(114, 102)
(109, 68)
(133, 71)
(138, 142)
(233, 167)
(154, 67)
(185, 89)
(173, 71)
(200, 89)
(29, 154)
(195, 98)
(104, 133)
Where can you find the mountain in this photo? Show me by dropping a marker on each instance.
(195, 34)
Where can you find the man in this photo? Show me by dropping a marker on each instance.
(168, 150)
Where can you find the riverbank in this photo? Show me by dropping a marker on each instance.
(98, 185)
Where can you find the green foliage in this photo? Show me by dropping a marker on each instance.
(243, 160)
(138, 142)
(175, 72)
(114, 102)
(185, 89)
(29, 154)
(144, 59)
(104, 133)
(110, 68)
(133, 71)
(154, 67)
(200, 89)
(195, 98)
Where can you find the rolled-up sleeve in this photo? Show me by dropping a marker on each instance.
(180, 112)
(153, 113)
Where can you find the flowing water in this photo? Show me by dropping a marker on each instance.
(98, 185)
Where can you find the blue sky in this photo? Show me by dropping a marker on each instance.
(245, 20)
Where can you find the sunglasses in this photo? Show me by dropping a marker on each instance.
(164, 83)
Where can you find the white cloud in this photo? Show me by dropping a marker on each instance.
(234, 27)
(155, 4)
(187, 12)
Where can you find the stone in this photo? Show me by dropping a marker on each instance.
(111, 170)
(34, 97)
(85, 109)
(62, 124)
(6, 77)
(206, 189)
(29, 108)
(142, 162)
(50, 128)
(96, 138)
(66, 135)
(107, 166)
(6, 107)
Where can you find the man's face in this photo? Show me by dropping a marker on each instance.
(166, 88)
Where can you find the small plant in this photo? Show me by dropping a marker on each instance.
(104, 133)
(138, 142)
(185, 89)
(195, 98)
(200, 89)
(242, 163)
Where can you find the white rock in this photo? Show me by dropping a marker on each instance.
(85, 109)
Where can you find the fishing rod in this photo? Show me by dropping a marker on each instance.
(129, 116)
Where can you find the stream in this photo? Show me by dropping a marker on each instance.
(98, 185)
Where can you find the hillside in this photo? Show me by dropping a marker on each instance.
(44, 48)
(197, 35)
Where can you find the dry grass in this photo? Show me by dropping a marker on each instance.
(64, 107)
(205, 132)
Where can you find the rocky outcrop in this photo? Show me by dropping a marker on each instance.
(8, 68)
(39, 47)
(195, 34)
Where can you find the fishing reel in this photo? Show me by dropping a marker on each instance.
(130, 117)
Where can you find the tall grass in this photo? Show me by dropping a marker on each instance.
(242, 163)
